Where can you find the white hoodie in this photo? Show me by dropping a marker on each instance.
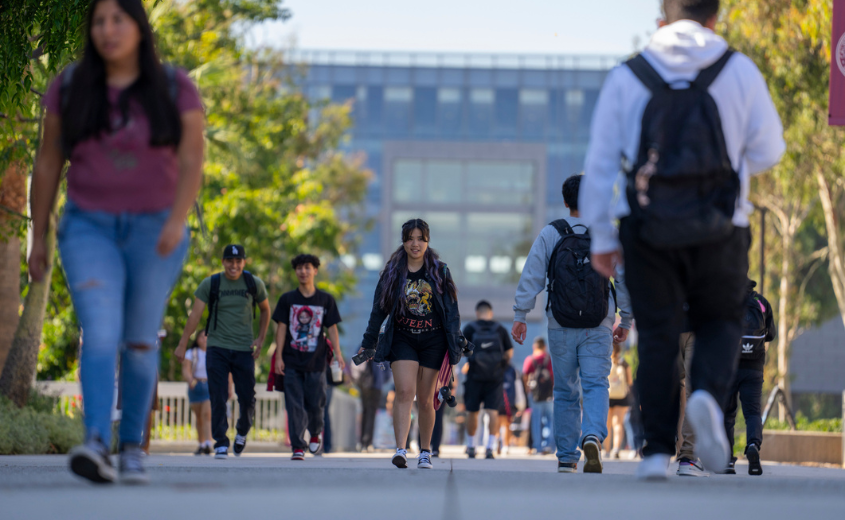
(750, 123)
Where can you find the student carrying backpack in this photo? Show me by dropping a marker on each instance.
(540, 381)
(214, 297)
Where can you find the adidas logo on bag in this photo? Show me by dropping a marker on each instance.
(747, 348)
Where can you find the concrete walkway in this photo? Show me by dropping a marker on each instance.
(351, 486)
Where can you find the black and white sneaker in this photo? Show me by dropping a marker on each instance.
(489, 454)
(690, 468)
(240, 444)
(221, 453)
(424, 462)
(91, 461)
(731, 470)
(132, 466)
(471, 452)
(592, 452)
(753, 456)
(708, 422)
(315, 443)
(400, 459)
(567, 467)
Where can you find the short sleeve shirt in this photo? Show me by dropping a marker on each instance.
(232, 328)
(197, 358)
(421, 312)
(532, 362)
(119, 171)
(306, 320)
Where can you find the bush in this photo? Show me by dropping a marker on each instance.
(37, 428)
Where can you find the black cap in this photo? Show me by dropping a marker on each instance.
(234, 251)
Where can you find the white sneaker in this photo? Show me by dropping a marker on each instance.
(424, 462)
(708, 422)
(654, 467)
(400, 460)
(690, 468)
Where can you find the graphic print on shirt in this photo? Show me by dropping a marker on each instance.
(419, 296)
(306, 324)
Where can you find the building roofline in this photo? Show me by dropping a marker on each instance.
(461, 60)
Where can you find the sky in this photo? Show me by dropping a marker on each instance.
(478, 26)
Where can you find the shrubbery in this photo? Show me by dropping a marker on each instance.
(37, 428)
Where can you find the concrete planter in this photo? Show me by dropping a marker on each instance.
(789, 446)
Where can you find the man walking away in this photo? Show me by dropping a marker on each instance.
(231, 298)
(581, 310)
(485, 371)
(538, 381)
(303, 317)
(758, 329)
(370, 380)
(692, 121)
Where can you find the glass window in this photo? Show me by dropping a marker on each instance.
(482, 96)
(449, 108)
(425, 109)
(320, 92)
(509, 183)
(443, 181)
(407, 178)
(374, 110)
(481, 111)
(397, 108)
(493, 241)
(398, 94)
(530, 96)
(343, 93)
(449, 95)
(507, 112)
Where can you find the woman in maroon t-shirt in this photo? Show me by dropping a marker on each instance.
(132, 130)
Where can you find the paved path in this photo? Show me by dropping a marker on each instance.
(269, 486)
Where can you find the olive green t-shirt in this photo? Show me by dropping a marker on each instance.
(234, 312)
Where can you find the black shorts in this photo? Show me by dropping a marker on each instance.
(491, 393)
(428, 348)
(625, 401)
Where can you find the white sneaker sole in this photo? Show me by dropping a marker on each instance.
(653, 468)
(691, 473)
(219, 456)
(424, 465)
(134, 479)
(711, 443)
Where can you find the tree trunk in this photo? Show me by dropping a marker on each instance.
(783, 321)
(12, 200)
(22, 362)
(836, 261)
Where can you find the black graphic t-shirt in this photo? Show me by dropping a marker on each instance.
(306, 320)
(421, 313)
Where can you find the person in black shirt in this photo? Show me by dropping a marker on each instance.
(303, 317)
(414, 325)
(485, 373)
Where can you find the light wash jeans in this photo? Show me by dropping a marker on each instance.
(120, 286)
(581, 365)
(542, 411)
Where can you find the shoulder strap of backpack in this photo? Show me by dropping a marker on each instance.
(707, 76)
(252, 289)
(649, 77)
(562, 227)
(64, 89)
(213, 297)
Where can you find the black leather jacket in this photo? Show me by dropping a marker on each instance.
(379, 334)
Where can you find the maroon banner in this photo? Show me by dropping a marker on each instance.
(836, 116)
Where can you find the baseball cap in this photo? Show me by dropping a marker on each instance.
(234, 251)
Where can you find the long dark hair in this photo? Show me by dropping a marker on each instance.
(395, 273)
(87, 112)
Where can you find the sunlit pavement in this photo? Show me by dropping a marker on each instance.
(367, 486)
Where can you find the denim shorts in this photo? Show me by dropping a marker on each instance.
(199, 393)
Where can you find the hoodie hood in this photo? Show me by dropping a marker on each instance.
(683, 48)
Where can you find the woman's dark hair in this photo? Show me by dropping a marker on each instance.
(395, 273)
(305, 259)
(86, 114)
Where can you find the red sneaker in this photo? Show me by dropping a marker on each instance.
(298, 455)
(315, 444)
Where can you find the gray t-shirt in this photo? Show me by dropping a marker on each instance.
(234, 312)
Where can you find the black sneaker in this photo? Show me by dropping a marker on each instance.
(200, 451)
(206, 450)
(489, 454)
(435, 454)
(753, 456)
(567, 467)
(731, 469)
(91, 461)
(240, 444)
(471, 452)
(592, 452)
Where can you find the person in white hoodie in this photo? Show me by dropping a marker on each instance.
(672, 256)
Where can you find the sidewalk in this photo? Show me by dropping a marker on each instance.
(367, 486)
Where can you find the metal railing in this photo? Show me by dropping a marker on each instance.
(777, 392)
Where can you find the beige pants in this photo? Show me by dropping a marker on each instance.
(686, 437)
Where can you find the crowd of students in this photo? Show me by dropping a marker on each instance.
(691, 121)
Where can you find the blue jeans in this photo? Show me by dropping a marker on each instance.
(119, 286)
(581, 366)
(542, 411)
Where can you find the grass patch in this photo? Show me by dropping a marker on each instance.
(37, 428)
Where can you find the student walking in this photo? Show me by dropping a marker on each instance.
(304, 317)
(195, 374)
(758, 329)
(414, 325)
(620, 383)
(581, 311)
(370, 381)
(485, 374)
(688, 463)
(538, 379)
(508, 409)
(692, 120)
(231, 298)
(135, 148)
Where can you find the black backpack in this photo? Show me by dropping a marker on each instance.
(682, 190)
(540, 381)
(214, 296)
(578, 294)
(754, 328)
(487, 360)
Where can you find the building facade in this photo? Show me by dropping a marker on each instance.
(478, 146)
